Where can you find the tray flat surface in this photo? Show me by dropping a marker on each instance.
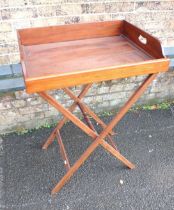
(80, 55)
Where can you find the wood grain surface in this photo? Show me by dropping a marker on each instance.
(62, 56)
(62, 33)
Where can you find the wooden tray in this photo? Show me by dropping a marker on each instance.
(61, 56)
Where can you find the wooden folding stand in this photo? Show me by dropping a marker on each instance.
(82, 54)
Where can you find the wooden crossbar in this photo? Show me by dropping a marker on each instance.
(86, 110)
(63, 151)
(64, 119)
(98, 139)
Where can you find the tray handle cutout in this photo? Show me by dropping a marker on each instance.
(142, 39)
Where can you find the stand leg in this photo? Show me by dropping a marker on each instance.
(62, 122)
(89, 123)
(99, 139)
(86, 108)
(82, 159)
(63, 151)
(80, 124)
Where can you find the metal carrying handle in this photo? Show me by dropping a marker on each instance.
(142, 39)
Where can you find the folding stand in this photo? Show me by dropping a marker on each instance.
(82, 54)
(98, 139)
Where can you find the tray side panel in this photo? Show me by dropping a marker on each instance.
(144, 40)
(43, 35)
(22, 56)
(61, 81)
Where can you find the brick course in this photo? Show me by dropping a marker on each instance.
(22, 111)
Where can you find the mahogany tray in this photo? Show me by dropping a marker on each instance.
(62, 56)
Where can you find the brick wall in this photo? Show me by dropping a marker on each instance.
(20, 111)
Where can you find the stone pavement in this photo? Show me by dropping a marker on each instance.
(27, 174)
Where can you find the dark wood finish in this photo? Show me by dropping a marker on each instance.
(63, 56)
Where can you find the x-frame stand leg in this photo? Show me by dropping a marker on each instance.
(71, 109)
(98, 139)
(86, 110)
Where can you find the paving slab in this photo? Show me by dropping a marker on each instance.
(5, 71)
(17, 69)
(27, 173)
(12, 84)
